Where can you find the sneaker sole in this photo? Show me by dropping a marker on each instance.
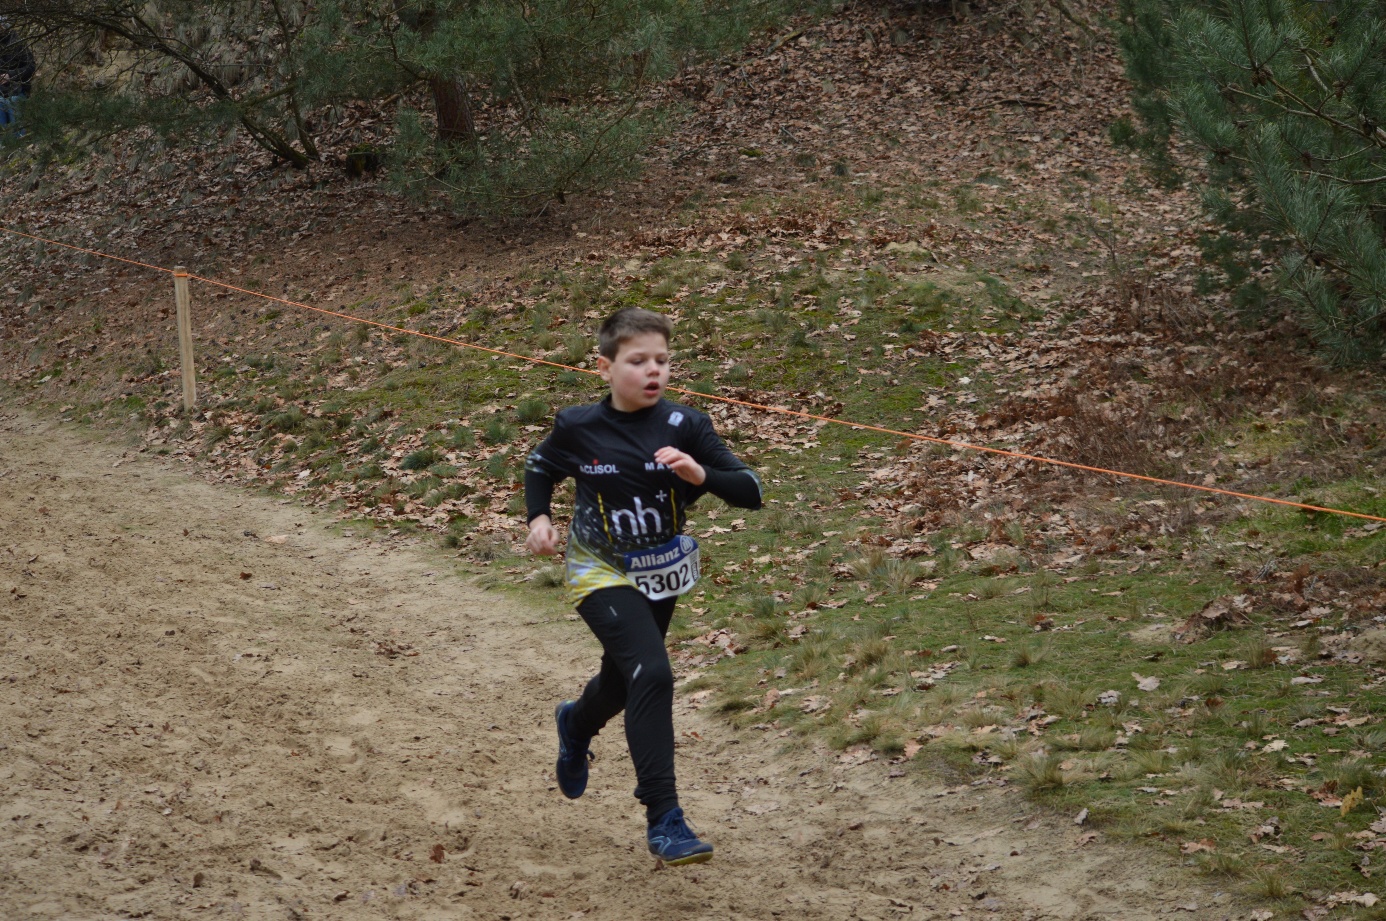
(704, 857)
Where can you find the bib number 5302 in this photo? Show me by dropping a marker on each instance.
(665, 571)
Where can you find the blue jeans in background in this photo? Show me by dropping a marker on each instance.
(9, 110)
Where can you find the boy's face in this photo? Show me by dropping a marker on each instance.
(639, 372)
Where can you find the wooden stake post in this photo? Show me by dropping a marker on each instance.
(185, 342)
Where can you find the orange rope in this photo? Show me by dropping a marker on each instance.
(961, 445)
(89, 252)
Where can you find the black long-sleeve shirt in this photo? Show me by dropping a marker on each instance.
(626, 501)
(17, 63)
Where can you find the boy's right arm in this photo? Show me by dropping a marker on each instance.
(543, 537)
(540, 479)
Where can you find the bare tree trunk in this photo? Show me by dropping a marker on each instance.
(456, 123)
(452, 105)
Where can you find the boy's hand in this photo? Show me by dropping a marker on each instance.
(686, 467)
(543, 537)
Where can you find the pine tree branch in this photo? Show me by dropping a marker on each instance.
(1339, 179)
(290, 40)
(1314, 72)
(1311, 245)
(1317, 112)
(1347, 80)
(1377, 137)
(1356, 153)
(596, 146)
(143, 36)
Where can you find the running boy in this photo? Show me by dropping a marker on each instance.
(639, 461)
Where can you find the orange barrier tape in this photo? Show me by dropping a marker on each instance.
(960, 445)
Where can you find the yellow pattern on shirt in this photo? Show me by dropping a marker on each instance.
(586, 572)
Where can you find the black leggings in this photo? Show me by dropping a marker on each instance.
(636, 677)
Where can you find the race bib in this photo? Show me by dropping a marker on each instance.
(664, 571)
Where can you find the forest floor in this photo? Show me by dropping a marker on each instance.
(898, 679)
(216, 705)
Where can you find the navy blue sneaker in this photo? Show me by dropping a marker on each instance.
(573, 754)
(672, 841)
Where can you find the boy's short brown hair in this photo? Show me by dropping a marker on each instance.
(627, 323)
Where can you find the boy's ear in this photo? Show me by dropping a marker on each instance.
(603, 365)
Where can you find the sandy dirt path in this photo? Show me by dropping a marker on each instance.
(211, 706)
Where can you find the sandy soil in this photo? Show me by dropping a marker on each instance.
(212, 706)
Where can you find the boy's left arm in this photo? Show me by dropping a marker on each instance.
(724, 474)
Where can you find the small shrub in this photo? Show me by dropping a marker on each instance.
(811, 595)
(421, 459)
(1028, 654)
(286, 422)
(531, 411)
(1041, 773)
(799, 341)
(488, 548)
(1271, 883)
(1066, 701)
(812, 659)
(550, 577)
(1222, 863)
(1257, 652)
(576, 347)
(870, 564)
(899, 576)
(872, 652)
(1353, 774)
(739, 373)
(762, 606)
(370, 471)
(498, 465)
(966, 200)
(769, 631)
(422, 487)
(977, 717)
(497, 431)
(1209, 685)
(1096, 739)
